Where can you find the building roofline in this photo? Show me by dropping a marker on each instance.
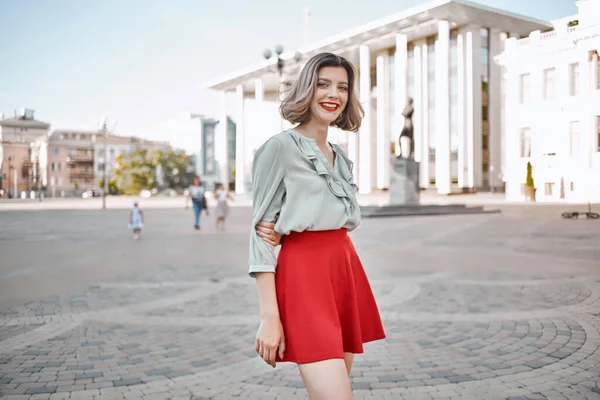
(374, 28)
(16, 121)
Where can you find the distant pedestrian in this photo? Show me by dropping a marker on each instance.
(197, 195)
(136, 221)
(222, 210)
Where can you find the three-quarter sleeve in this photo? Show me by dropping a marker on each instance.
(268, 192)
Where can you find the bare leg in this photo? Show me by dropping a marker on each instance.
(325, 380)
(348, 360)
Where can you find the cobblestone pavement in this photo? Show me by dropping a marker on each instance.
(475, 307)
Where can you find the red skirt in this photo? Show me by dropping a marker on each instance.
(325, 300)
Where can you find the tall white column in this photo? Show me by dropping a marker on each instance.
(365, 184)
(473, 106)
(494, 116)
(383, 157)
(443, 173)
(421, 113)
(240, 143)
(259, 90)
(352, 137)
(462, 112)
(586, 123)
(221, 142)
(400, 84)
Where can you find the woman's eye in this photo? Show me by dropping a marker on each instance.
(321, 84)
(343, 88)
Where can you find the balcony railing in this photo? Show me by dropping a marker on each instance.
(79, 174)
(80, 159)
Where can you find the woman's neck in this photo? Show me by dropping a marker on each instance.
(314, 130)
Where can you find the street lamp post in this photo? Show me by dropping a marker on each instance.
(104, 180)
(280, 64)
(10, 167)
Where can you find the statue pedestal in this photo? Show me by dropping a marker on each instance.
(404, 186)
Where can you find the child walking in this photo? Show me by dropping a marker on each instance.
(136, 221)
(222, 207)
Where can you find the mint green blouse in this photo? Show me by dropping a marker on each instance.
(291, 177)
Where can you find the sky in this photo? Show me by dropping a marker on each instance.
(144, 64)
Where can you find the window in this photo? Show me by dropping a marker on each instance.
(524, 89)
(549, 83)
(548, 186)
(53, 167)
(525, 142)
(59, 165)
(56, 151)
(574, 138)
(574, 79)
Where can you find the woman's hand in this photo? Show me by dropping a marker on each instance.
(266, 230)
(270, 340)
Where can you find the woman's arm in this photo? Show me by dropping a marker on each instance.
(268, 193)
(270, 339)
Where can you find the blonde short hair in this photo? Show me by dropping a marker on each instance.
(295, 107)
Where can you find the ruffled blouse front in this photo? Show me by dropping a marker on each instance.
(292, 178)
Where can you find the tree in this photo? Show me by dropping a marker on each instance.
(136, 171)
(529, 180)
(113, 188)
(176, 169)
(143, 169)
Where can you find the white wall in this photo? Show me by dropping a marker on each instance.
(550, 120)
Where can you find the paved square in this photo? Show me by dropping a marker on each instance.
(490, 306)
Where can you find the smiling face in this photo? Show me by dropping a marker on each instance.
(330, 96)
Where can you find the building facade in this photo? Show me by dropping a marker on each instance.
(17, 170)
(439, 54)
(208, 163)
(71, 160)
(76, 159)
(552, 109)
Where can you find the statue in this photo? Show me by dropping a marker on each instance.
(406, 136)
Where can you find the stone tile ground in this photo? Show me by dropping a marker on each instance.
(475, 307)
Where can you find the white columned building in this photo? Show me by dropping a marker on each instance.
(552, 109)
(439, 54)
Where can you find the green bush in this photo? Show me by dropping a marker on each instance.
(529, 181)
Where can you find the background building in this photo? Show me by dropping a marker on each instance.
(33, 157)
(552, 108)
(208, 163)
(71, 160)
(17, 170)
(440, 55)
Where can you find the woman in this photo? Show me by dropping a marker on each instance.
(317, 307)
(222, 210)
(196, 193)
